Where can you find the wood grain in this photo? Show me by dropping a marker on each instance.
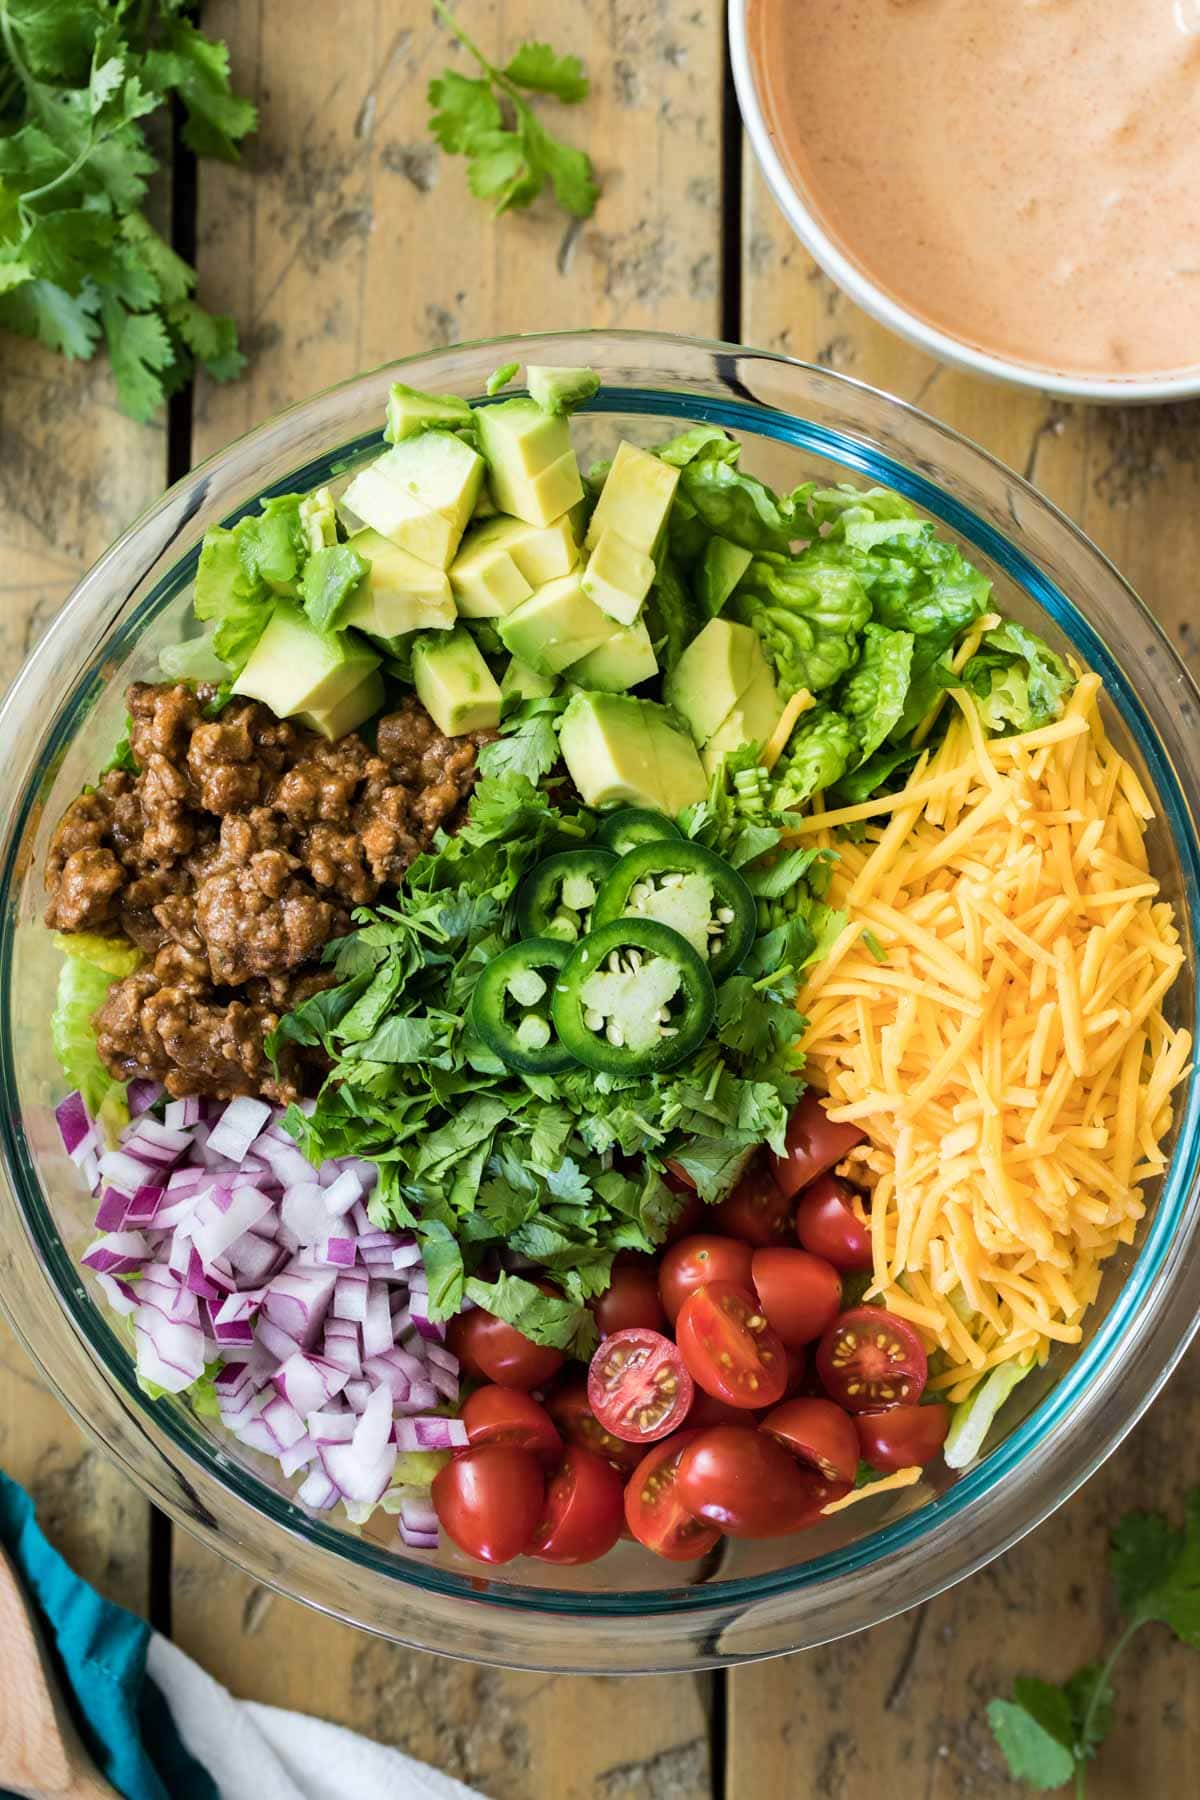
(900, 1710)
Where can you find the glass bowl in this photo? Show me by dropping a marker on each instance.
(629, 1612)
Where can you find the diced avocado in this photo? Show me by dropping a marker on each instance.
(557, 627)
(721, 568)
(294, 668)
(533, 471)
(712, 675)
(751, 720)
(486, 579)
(544, 552)
(635, 499)
(351, 711)
(410, 411)
(318, 519)
(559, 390)
(617, 576)
(625, 752)
(400, 594)
(627, 659)
(420, 494)
(454, 684)
(485, 507)
(524, 682)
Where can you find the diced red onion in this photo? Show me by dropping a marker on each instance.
(117, 1253)
(297, 1457)
(430, 1434)
(144, 1207)
(279, 1344)
(334, 1252)
(433, 1330)
(406, 1256)
(283, 1421)
(110, 1214)
(181, 1114)
(221, 1218)
(309, 1382)
(238, 1126)
(89, 1166)
(317, 1491)
(75, 1127)
(377, 1321)
(357, 1392)
(330, 1427)
(303, 1212)
(121, 1295)
(170, 1353)
(125, 1171)
(297, 1301)
(422, 1396)
(418, 1515)
(350, 1295)
(342, 1194)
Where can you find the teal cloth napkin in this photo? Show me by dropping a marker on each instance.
(100, 1650)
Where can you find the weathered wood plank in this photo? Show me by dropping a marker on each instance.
(73, 474)
(344, 240)
(901, 1709)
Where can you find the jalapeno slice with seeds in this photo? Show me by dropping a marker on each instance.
(556, 898)
(687, 887)
(511, 1007)
(633, 997)
(630, 826)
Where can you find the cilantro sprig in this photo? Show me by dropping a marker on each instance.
(489, 120)
(80, 264)
(1049, 1731)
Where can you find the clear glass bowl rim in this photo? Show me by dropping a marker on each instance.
(1040, 1439)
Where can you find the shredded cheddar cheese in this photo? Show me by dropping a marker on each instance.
(902, 1478)
(776, 744)
(1010, 1062)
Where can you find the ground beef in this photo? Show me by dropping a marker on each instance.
(231, 858)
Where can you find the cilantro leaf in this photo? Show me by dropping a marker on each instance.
(1033, 1753)
(538, 67)
(1157, 1570)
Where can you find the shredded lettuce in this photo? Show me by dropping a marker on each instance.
(974, 1417)
(91, 964)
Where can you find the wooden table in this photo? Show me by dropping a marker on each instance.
(344, 240)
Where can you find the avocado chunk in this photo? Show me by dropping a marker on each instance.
(400, 593)
(485, 577)
(543, 552)
(721, 568)
(557, 627)
(318, 520)
(751, 720)
(712, 675)
(520, 681)
(559, 390)
(635, 499)
(454, 684)
(294, 668)
(621, 751)
(627, 659)
(618, 577)
(420, 494)
(410, 411)
(533, 471)
(351, 711)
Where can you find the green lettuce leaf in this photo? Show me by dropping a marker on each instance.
(808, 611)
(872, 696)
(1019, 683)
(820, 750)
(90, 966)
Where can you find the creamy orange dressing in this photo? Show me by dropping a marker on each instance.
(1023, 174)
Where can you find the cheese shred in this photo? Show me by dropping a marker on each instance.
(1014, 1071)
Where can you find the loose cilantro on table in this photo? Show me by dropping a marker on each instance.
(1049, 1732)
(79, 260)
(488, 119)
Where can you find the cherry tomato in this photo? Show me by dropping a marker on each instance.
(869, 1359)
(583, 1512)
(827, 1225)
(653, 1510)
(800, 1294)
(692, 1210)
(500, 1415)
(489, 1500)
(797, 1371)
(568, 1406)
(631, 1299)
(756, 1211)
(729, 1348)
(706, 1409)
(814, 1144)
(638, 1386)
(694, 1261)
(493, 1351)
(903, 1435)
(819, 1433)
(745, 1483)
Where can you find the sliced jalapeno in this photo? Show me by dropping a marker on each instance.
(511, 1006)
(556, 898)
(685, 886)
(630, 826)
(633, 997)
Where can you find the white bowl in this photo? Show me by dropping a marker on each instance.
(1106, 390)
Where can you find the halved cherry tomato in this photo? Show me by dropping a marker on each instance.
(500, 1415)
(814, 1144)
(827, 1225)
(653, 1510)
(630, 1299)
(800, 1294)
(489, 1500)
(583, 1512)
(491, 1350)
(706, 1409)
(756, 1211)
(819, 1433)
(729, 1348)
(638, 1386)
(903, 1435)
(869, 1359)
(797, 1371)
(745, 1483)
(568, 1406)
(694, 1261)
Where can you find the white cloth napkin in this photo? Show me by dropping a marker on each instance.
(258, 1752)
